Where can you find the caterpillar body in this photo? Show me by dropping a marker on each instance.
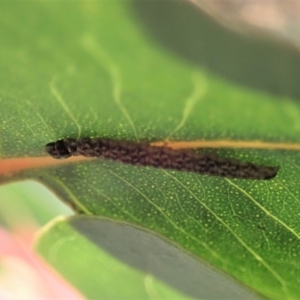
(144, 154)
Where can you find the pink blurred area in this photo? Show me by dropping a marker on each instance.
(23, 274)
(277, 19)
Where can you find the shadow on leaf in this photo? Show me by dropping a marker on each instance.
(256, 63)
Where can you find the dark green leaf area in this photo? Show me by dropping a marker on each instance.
(246, 227)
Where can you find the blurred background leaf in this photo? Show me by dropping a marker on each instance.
(277, 19)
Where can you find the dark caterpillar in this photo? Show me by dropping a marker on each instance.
(143, 154)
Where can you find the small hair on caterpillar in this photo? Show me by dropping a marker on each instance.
(144, 154)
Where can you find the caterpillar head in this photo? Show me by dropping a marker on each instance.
(58, 150)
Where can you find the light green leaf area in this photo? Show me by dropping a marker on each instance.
(28, 201)
(98, 274)
(93, 68)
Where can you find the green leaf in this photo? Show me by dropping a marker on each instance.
(29, 202)
(93, 68)
(68, 239)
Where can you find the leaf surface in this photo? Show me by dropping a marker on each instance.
(92, 68)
